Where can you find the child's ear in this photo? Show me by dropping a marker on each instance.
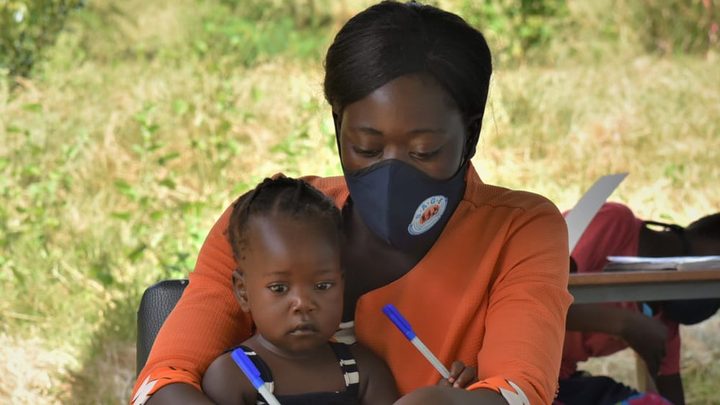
(239, 289)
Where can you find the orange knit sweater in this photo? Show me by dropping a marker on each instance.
(492, 292)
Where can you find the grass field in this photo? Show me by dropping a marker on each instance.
(147, 118)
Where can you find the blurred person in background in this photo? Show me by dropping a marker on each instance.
(596, 330)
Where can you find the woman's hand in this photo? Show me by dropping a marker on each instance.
(460, 376)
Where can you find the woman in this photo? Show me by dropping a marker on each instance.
(478, 270)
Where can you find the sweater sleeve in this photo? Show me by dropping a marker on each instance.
(525, 323)
(206, 321)
(613, 231)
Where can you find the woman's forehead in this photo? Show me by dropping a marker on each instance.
(409, 101)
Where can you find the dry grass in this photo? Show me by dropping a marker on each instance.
(30, 371)
(118, 155)
(557, 130)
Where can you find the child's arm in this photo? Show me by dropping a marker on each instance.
(460, 375)
(377, 385)
(225, 383)
(647, 336)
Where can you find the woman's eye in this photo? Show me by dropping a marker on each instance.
(278, 288)
(326, 285)
(424, 155)
(369, 153)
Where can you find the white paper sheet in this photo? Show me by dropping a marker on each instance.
(589, 204)
(675, 259)
(635, 263)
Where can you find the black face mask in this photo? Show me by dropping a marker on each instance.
(403, 206)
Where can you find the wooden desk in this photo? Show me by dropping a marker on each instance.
(644, 285)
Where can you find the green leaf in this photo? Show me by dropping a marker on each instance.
(168, 182)
(181, 107)
(168, 157)
(126, 189)
(137, 253)
(32, 107)
(123, 215)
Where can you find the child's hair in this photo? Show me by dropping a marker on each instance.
(281, 195)
(707, 227)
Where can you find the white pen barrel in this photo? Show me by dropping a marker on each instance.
(431, 357)
(269, 397)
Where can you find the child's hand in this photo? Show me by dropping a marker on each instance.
(460, 375)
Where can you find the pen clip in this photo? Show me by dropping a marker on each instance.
(400, 322)
(248, 367)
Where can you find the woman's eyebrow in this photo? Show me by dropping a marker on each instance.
(416, 131)
(368, 130)
(427, 131)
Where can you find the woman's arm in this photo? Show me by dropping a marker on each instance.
(461, 376)
(519, 359)
(206, 321)
(528, 303)
(451, 396)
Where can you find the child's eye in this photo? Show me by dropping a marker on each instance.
(278, 288)
(325, 285)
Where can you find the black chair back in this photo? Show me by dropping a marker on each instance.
(156, 304)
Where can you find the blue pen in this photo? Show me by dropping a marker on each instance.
(404, 326)
(253, 374)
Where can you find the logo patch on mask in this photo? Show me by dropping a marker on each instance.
(427, 214)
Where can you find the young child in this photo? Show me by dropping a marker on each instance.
(286, 238)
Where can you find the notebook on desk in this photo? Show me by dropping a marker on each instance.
(682, 263)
